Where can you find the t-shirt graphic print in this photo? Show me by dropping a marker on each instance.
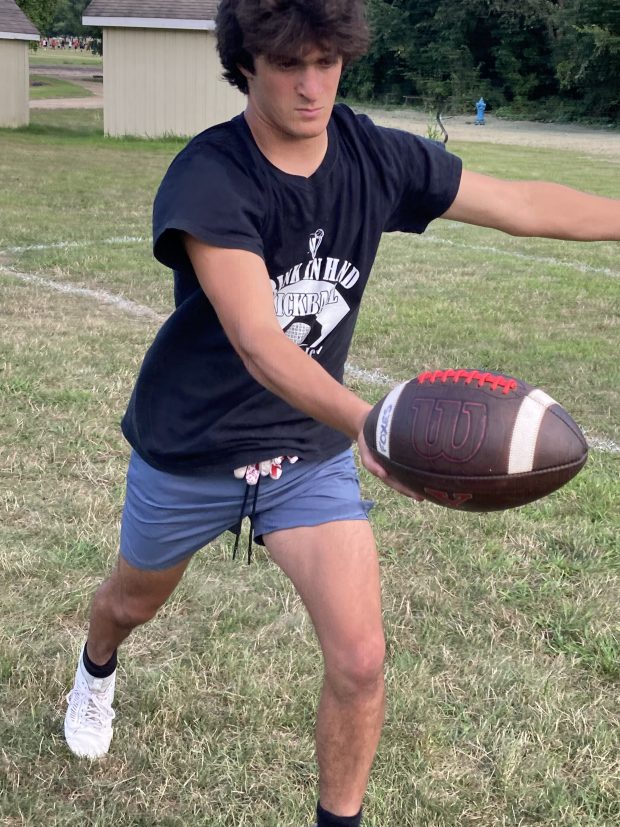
(310, 298)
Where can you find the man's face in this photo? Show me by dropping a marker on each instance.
(295, 95)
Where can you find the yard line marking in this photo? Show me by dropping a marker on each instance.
(428, 238)
(602, 444)
(480, 248)
(62, 245)
(371, 377)
(102, 296)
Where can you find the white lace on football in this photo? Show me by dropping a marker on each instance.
(267, 468)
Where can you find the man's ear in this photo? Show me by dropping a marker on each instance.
(247, 70)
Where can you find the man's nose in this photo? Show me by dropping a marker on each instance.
(310, 83)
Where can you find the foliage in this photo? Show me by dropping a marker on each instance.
(58, 17)
(448, 53)
(588, 54)
(41, 12)
(68, 19)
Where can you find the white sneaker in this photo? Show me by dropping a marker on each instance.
(88, 722)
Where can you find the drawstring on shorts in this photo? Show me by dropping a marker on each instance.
(252, 515)
(252, 475)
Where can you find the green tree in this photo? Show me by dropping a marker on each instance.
(455, 50)
(41, 12)
(382, 71)
(560, 53)
(68, 19)
(588, 55)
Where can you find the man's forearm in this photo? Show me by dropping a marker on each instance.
(556, 211)
(535, 208)
(284, 369)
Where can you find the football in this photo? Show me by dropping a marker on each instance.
(474, 440)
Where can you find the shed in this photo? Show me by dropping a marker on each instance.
(16, 32)
(161, 71)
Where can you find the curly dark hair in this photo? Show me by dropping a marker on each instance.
(286, 28)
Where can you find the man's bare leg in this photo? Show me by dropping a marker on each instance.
(334, 568)
(128, 598)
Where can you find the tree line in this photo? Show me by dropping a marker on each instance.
(553, 59)
(58, 17)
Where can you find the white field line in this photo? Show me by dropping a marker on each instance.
(102, 296)
(371, 377)
(65, 245)
(556, 262)
(426, 238)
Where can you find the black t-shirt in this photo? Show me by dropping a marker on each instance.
(194, 405)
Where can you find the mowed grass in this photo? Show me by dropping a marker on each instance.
(502, 629)
(64, 57)
(44, 86)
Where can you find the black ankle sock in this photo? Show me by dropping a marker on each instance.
(99, 671)
(326, 819)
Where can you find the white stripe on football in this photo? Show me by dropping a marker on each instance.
(526, 431)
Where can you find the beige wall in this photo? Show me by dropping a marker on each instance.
(160, 82)
(14, 90)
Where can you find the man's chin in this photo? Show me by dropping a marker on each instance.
(312, 129)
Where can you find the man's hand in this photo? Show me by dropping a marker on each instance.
(371, 464)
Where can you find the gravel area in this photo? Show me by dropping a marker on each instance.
(521, 133)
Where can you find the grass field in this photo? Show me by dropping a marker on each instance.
(503, 647)
(44, 86)
(67, 57)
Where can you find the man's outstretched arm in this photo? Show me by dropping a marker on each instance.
(535, 208)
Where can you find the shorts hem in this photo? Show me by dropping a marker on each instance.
(167, 564)
(308, 523)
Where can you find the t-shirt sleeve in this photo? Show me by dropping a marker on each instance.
(206, 195)
(420, 178)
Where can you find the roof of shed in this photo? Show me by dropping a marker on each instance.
(153, 9)
(13, 21)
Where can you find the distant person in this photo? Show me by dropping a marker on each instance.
(271, 223)
(480, 108)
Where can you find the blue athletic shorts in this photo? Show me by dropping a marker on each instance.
(168, 517)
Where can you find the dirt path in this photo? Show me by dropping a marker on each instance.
(600, 142)
(521, 133)
(68, 103)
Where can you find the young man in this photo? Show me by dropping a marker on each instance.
(271, 223)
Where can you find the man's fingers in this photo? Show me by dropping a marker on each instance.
(398, 486)
(371, 464)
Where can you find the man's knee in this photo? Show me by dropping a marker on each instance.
(134, 611)
(357, 669)
(126, 610)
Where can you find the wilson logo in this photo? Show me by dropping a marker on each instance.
(384, 429)
(448, 429)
